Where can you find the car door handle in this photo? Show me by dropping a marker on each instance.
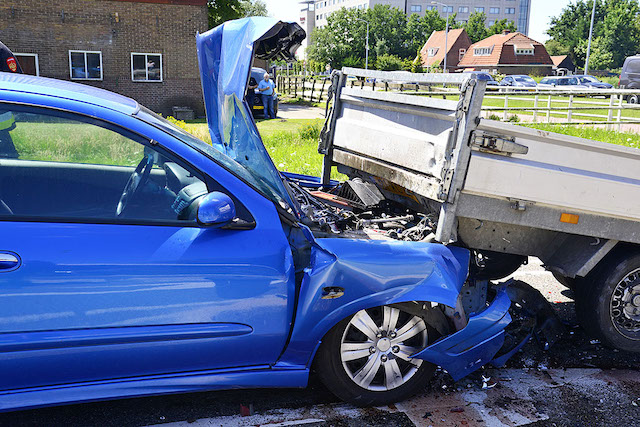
(9, 261)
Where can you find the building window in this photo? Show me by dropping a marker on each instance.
(523, 50)
(432, 51)
(85, 65)
(146, 67)
(482, 51)
(490, 23)
(494, 10)
(29, 63)
(461, 53)
(510, 10)
(416, 8)
(480, 9)
(432, 7)
(463, 9)
(447, 9)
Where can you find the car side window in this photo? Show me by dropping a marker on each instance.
(57, 166)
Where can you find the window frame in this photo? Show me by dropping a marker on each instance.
(34, 55)
(86, 70)
(416, 8)
(146, 68)
(479, 9)
(463, 9)
(134, 136)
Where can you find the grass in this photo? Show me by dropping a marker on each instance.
(65, 141)
(291, 143)
(596, 134)
(290, 100)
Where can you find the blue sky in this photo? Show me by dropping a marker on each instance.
(541, 12)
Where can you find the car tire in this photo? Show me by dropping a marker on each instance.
(346, 375)
(633, 99)
(607, 298)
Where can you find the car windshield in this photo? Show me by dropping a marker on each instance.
(524, 79)
(222, 159)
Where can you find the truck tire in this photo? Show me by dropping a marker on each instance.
(347, 358)
(608, 302)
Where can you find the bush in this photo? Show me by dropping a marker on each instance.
(388, 62)
(180, 123)
(513, 118)
(353, 61)
(311, 131)
(494, 117)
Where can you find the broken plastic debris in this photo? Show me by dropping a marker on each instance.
(487, 383)
(594, 342)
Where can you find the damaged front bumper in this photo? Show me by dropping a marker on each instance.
(491, 337)
(476, 344)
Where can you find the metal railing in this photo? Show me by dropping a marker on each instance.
(310, 88)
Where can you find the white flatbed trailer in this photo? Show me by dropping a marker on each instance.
(572, 202)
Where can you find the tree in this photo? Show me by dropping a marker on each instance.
(388, 62)
(475, 27)
(616, 26)
(600, 58)
(499, 26)
(225, 10)
(420, 28)
(554, 47)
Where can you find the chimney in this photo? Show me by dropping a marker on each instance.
(505, 32)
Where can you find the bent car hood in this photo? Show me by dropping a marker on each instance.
(225, 55)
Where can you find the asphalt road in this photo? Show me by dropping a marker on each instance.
(577, 382)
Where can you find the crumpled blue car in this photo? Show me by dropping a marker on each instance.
(137, 260)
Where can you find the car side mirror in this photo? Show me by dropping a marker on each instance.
(216, 210)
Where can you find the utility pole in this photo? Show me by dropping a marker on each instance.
(446, 35)
(593, 15)
(366, 46)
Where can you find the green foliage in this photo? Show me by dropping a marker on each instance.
(616, 29)
(554, 48)
(513, 118)
(475, 27)
(180, 123)
(600, 58)
(342, 40)
(501, 25)
(388, 62)
(353, 61)
(225, 10)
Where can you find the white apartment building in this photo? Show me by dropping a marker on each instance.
(518, 11)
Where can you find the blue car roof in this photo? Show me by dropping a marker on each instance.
(66, 90)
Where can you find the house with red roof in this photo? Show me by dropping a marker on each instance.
(433, 51)
(507, 53)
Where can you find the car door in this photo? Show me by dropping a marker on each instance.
(87, 294)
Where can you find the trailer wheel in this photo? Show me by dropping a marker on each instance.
(633, 99)
(608, 302)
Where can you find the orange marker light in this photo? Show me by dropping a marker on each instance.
(569, 218)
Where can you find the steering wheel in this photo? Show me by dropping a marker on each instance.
(138, 179)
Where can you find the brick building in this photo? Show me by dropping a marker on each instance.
(433, 51)
(507, 53)
(145, 49)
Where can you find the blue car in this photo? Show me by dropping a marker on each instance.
(138, 260)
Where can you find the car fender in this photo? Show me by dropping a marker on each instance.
(348, 275)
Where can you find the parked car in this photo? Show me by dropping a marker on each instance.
(630, 77)
(593, 82)
(138, 260)
(562, 82)
(258, 108)
(519, 81)
(485, 76)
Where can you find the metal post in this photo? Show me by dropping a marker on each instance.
(549, 110)
(593, 14)
(610, 115)
(569, 110)
(620, 112)
(446, 34)
(506, 106)
(366, 45)
(535, 109)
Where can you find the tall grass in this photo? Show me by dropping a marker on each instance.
(66, 141)
(597, 134)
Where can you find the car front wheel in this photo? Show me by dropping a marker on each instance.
(365, 359)
(633, 99)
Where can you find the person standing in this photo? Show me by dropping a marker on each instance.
(267, 88)
(8, 64)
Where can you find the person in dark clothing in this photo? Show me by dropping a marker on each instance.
(251, 92)
(8, 61)
(8, 64)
